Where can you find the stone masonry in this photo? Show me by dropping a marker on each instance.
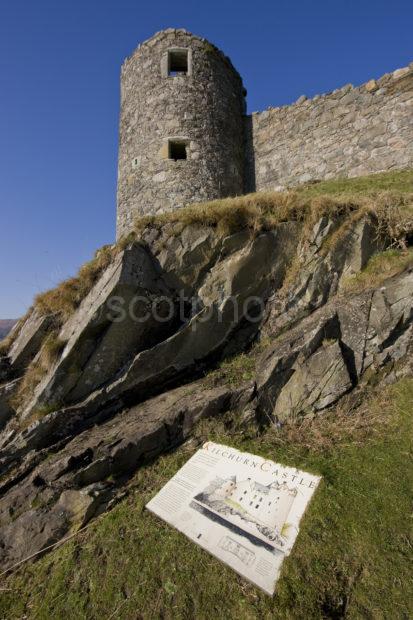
(349, 132)
(185, 136)
(200, 109)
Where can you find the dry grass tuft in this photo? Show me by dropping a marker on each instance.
(49, 354)
(63, 300)
(258, 211)
(394, 212)
(52, 349)
(307, 204)
(346, 424)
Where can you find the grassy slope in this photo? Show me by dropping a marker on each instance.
(399, 180)
(352, 557)
(353, 552)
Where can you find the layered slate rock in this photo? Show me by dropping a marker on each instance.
(63, 492)
(7, 391)
(108, 346)
(317, 383)
(233, 289)
(113, 321)
(360, 243)
(187, 257)
(322, 271)
(29, 340)
(326, 354)
(131, 389)
(283, 369)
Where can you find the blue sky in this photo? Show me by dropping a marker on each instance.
(59, 92)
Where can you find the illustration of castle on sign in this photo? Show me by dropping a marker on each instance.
(185, 136)
(261, 510)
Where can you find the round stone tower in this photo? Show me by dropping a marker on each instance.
(181, 127)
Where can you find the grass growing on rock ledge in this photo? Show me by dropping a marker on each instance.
(232, 371)
(269, 207)
(266, 210)
(37, 370)
(380, 267)
(398, 180)
(387, 198)
(66, 297)
(388, 195)
(352, 558)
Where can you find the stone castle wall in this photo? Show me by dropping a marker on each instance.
(204, 108)
(349, 132)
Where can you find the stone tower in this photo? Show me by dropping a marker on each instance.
(181, 126)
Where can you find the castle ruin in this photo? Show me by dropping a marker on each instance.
(185, 136)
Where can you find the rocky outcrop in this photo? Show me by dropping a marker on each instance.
(321, 270)
(126, 385)
(29, 340)
(7, 391)
(43, 502)
(137, 327)
(112, 322)
(328, 353)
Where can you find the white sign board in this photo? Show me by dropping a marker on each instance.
(242, 508)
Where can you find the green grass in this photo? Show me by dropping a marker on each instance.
(233, 371)
(352, 557)
(399, 180)
(380, 267)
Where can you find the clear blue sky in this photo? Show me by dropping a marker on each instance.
(59, 92)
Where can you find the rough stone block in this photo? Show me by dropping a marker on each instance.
(315, 384)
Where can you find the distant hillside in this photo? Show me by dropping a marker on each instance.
(5, 326)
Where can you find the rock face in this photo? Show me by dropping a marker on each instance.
(29, 340)
(327, 354)
(315, 383)
(321, 273)
(109, 324)
(7, 390)
(133, 324)
(72, 486)
(128, 380)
